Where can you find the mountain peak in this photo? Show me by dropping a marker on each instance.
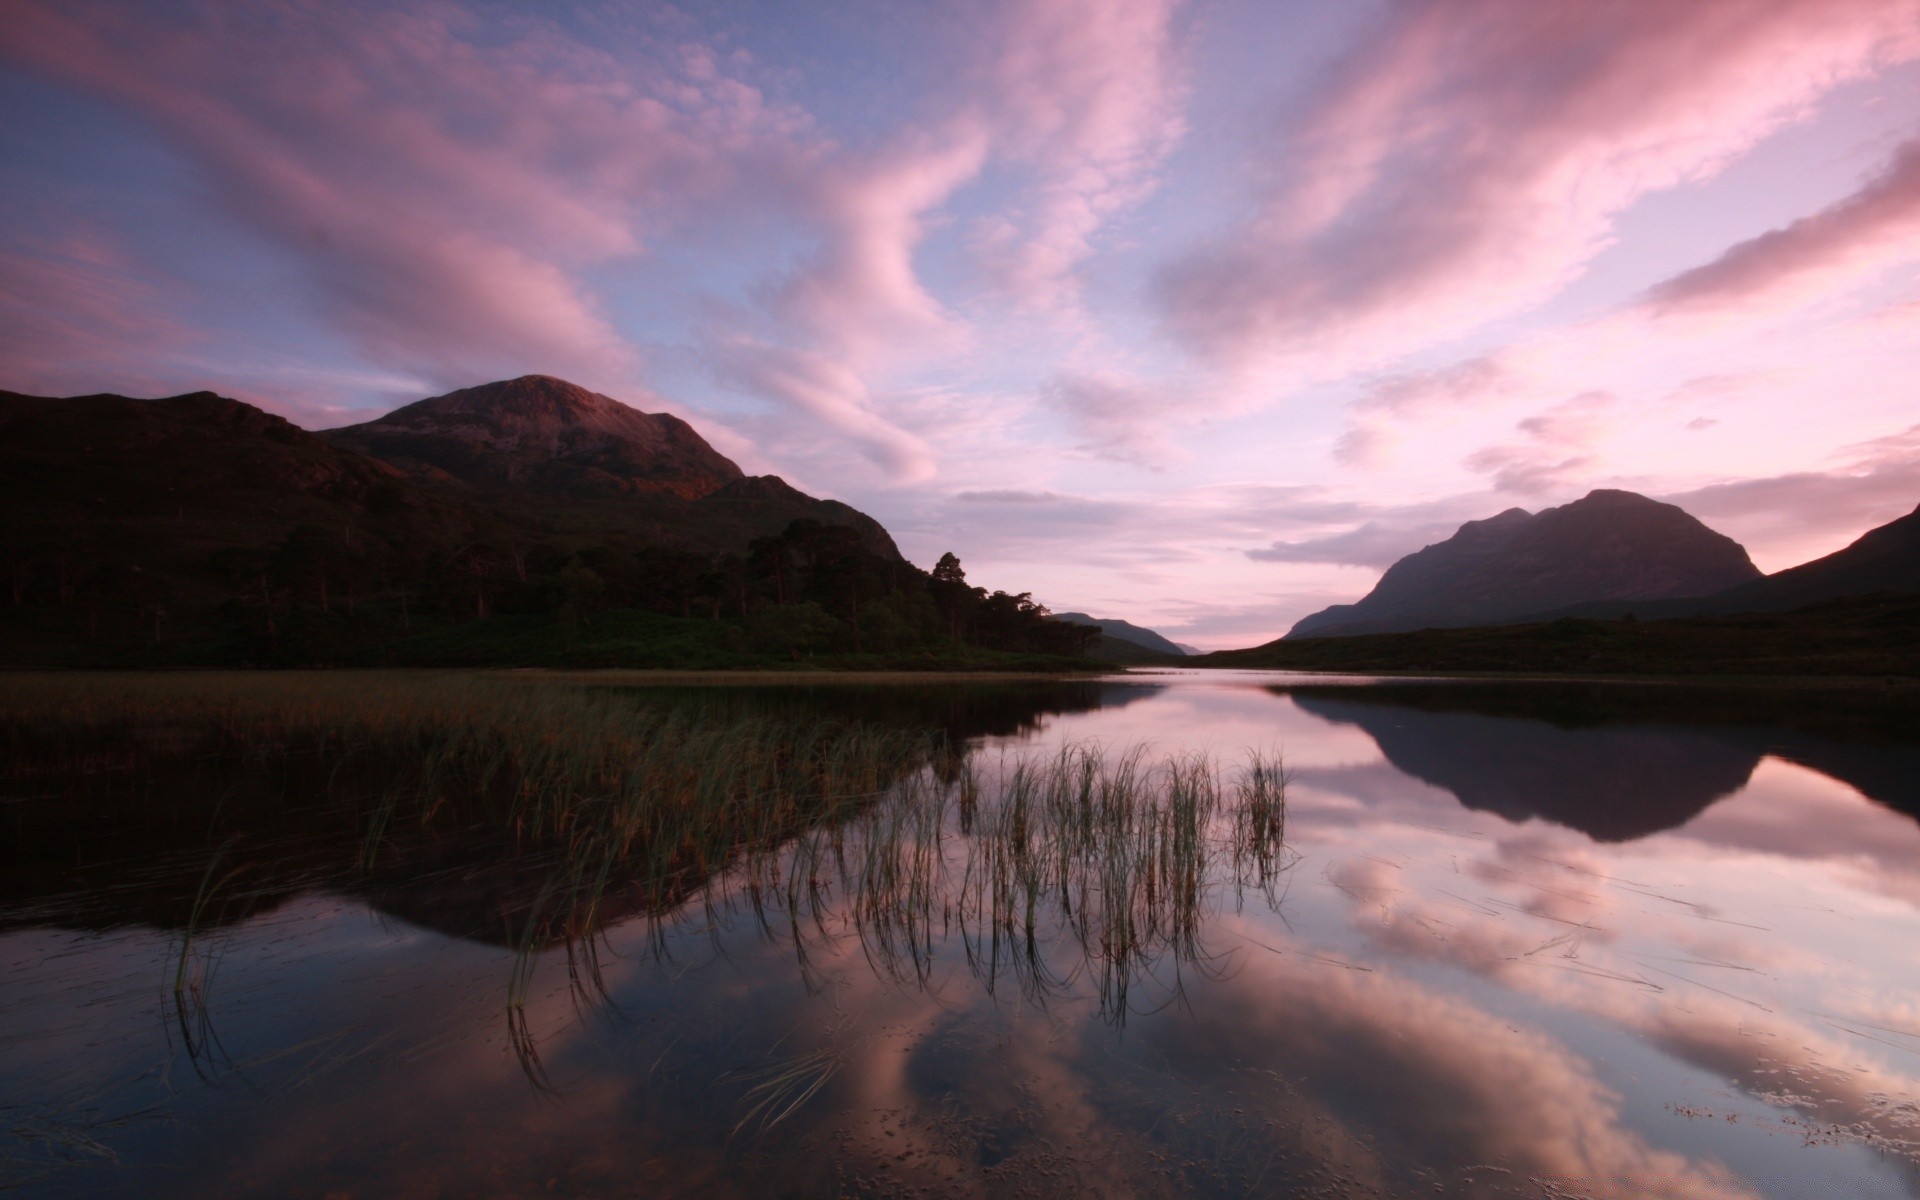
(529, 402)
(1607, 545)
(543, 434)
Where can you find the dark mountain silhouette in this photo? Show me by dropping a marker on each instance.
(1885, 559)
(524, 523)
(151, 490)
(545, 435)
(1608, 546)
(1124, 631)
(1618, 762)
(161, 485)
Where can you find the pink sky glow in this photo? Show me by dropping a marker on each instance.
(1197, 314)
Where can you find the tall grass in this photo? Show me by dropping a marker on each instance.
(1114, 858)
(575, 806)
(595, 777)
(1083, 868)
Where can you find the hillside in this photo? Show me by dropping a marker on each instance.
(200, 530)
(581, 464)
(106, 495)
(1607, 546)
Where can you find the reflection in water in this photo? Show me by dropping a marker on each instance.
(1613, 784)
(1618, 762)
(1010, 961)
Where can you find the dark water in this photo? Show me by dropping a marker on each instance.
(1524, 940)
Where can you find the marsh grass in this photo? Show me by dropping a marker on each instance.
(1084, 865)
(569, 808)
(564, 807)
(593, 777)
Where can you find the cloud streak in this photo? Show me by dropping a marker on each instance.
(1867, 232)
(1467, 160)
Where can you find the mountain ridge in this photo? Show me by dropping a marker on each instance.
(1885, 559)
(542, 434)
(1608, 545)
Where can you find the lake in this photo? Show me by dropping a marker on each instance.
(1173, 933)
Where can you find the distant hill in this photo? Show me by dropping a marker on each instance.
(1124, 631)
(1607, 546)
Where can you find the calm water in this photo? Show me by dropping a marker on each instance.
(1524, 941)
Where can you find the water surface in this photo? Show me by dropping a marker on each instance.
(1519, 940)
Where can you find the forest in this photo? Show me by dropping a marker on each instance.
(813, 594)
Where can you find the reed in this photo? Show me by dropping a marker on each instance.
(1087, 867)
(1085, 864)
(586, 773)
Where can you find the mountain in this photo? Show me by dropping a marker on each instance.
(1124, 631)
(1885, 559)
(1607, 546)
(200, 530)
(544, 435)
(151, 490)
(526, 461)
(582, 463)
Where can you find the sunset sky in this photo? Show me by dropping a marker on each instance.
(1193, 314)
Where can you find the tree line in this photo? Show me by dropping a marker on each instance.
(812, 589)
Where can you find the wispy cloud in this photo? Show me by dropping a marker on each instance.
(1870, 231)
(1087, 96)
(1469, 157)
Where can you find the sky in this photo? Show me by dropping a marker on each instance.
(1194, 314)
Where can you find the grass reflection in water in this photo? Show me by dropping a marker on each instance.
(535, 815)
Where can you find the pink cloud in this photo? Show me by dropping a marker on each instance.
(1389, 403)
(1087, 95)
(1371, 544)
(828, 391)
(1084, 98)
(860, 293)
(1868, 231)
(1120, 420)
(1551, 459)
(1468, 158)
(1806, 514)
(441, 193)
(81, 299)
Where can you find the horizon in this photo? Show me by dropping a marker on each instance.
(1105, 302)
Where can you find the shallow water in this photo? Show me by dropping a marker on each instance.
(1524, 940)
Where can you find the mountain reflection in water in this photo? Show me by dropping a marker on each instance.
(1660, 946)
(1614, 761)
